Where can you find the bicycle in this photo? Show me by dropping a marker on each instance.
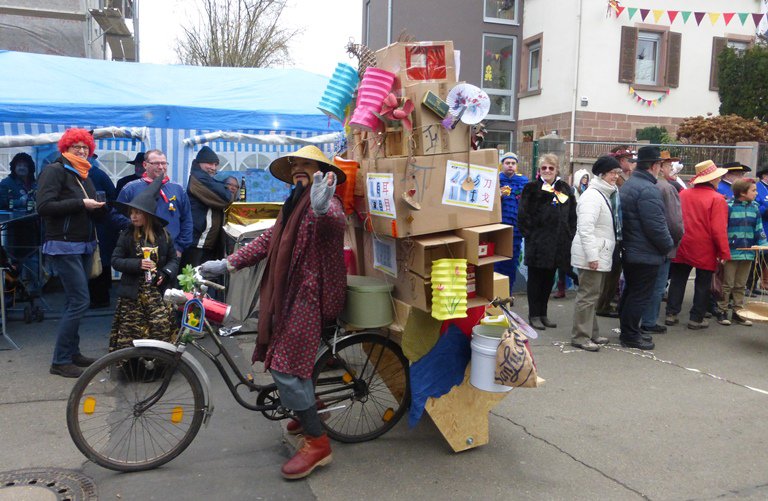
(140, 407)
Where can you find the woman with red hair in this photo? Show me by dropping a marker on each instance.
(66, 200)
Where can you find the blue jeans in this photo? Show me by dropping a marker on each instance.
(651, 313)
(71, 269)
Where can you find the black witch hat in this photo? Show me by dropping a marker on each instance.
(145, 201)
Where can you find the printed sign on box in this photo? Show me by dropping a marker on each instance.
(385, 255)
(381, 198)
(480, 196)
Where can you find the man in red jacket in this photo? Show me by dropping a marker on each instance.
(705, 218)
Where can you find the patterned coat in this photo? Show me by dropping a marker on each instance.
(310, 299)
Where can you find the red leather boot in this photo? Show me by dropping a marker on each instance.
(316, 451)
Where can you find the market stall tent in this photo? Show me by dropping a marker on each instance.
(43, 94)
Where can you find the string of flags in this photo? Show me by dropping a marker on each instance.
(647, 102)
(662, 15)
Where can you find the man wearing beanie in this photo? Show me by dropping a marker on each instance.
(208, 199)
(511, 184)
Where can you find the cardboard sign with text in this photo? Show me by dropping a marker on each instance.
(426, 177)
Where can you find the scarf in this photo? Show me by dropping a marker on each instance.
(277, 278)
(149, 181)
(81, 165)
(559, 197)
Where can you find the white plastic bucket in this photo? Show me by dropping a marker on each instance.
(485, 342)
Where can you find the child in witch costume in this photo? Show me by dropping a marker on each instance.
(147, 259)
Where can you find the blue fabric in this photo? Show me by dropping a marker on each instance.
(724, 188)
(510, 203)
(179, 219)
(745, 229)
(645, 234)
(651, 313)
(71, 270)
(762, 202)
(12, 188)
(434, 374)
(65, 90)
(62, 248)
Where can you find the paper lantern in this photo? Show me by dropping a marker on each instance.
(449, 288)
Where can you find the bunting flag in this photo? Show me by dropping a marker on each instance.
(684, 15)
(647, 102)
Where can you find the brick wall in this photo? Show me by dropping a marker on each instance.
(594, 126)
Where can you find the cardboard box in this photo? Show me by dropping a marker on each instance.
(500, 235)
(430, 137)
(418, 62)
(427, 175)
(418, 253)
(486, 286)
(500, 285)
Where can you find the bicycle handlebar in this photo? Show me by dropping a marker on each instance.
(211, 284)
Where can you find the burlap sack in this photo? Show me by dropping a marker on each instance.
(514, 363)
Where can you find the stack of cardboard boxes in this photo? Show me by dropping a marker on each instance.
(412, 187)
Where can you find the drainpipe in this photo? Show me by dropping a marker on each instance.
(576, 80)
(389, 22)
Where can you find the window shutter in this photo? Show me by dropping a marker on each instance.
(627, 53)
(718, 45)
(673, 58)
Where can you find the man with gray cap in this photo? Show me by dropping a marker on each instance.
(208, 199)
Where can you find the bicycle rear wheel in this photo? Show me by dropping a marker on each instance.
(363, 388)
(103, 416)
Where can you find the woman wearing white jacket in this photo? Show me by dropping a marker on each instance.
(598, 228)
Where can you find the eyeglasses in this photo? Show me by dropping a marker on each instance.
(81, 147)
(158, 164)
(547, 167)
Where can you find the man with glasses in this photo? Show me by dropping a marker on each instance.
(172, 204)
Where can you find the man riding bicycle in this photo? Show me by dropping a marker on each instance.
(303, 288)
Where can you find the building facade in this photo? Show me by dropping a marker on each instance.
(487, 35)
(595, 73)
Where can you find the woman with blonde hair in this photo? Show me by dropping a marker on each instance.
(547, 220)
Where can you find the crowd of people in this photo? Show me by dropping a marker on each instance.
(634, 217)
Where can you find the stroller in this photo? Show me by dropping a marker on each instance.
(22, 281)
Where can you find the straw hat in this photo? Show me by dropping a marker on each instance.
(666, 158)
(281, 167)
(707, 171)
(756, 311)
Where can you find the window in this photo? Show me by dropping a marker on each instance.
(255, 161)
(500, 11)
(650, 57)
(115, 164)
(739, 43)
(498, 139)
(499, 74)
(530, 80)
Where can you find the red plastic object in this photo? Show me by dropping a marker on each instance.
(425, 62)
(486, 249)
(349, 261)
(215, 311)
(465, 324)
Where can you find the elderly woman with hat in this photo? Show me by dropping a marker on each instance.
(511, 183)
(598, 232)
(734, 171)
(705, 218)
(66, 200)
(303, 287)
(547, 220)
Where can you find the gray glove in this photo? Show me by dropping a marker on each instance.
(213, 268)
(322, 192)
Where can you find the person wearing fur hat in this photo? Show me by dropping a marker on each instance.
(22, 238)
(303, 287)
(598, 233)
(735, 170)
(705, 218)
(208, 199)
(147, 260)
(66, 200)
(511, 183)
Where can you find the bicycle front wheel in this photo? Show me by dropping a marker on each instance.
(105, 416)
(363, 388)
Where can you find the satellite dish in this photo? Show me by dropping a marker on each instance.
(469, 102)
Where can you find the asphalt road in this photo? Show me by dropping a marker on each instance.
(686, 421)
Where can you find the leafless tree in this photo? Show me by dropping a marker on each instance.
(237, 33)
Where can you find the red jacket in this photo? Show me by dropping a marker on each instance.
(705, 219)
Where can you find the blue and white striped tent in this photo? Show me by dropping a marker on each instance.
(41, 94)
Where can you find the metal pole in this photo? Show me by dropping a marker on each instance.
(535, 162)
